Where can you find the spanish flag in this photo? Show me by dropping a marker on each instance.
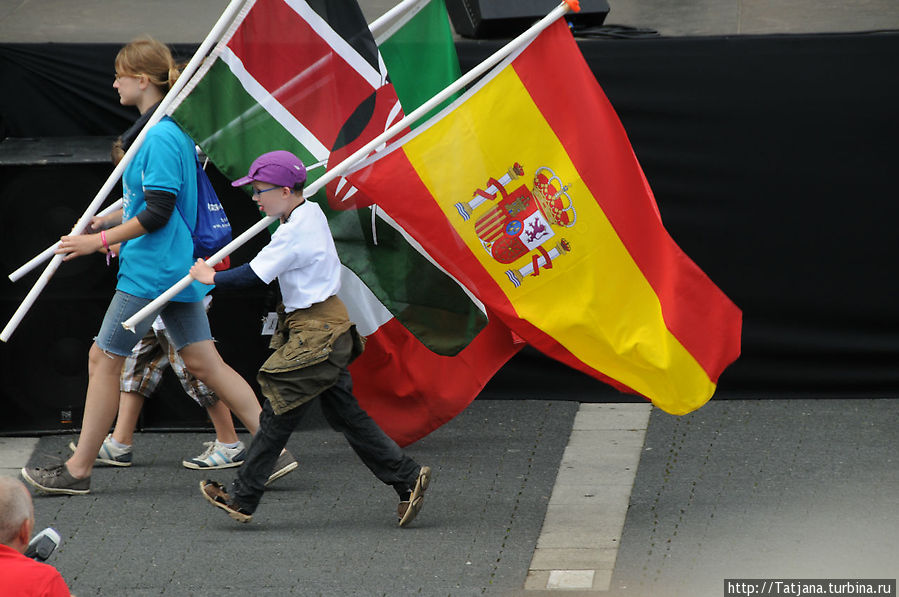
(528, 192)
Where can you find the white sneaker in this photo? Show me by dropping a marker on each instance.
(109, 454)
(217, 455)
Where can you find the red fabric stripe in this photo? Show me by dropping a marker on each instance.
(696, 312)
(410, 391)
(287, 57)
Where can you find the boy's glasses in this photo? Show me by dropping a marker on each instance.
(257, 192)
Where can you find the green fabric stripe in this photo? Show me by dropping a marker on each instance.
(421, 58)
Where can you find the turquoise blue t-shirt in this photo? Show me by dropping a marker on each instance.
(150, 264)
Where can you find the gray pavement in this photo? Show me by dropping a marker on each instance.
(767, 488)
(783, 488)
(328, 528)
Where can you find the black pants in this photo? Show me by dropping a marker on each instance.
(341, 409)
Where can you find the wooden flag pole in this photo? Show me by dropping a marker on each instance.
(192, 66)
(346, 164)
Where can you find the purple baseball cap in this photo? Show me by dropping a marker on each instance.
(280, 168)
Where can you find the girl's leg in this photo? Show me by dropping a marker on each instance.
(100, 407)
(218, 411)
(141, 374)
(130, 405)
(204, 362)
(105, 360)
(188, 329)
(221, 419)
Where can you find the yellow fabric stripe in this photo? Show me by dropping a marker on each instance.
(594, 301)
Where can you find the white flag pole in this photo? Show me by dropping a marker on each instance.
(48, 252)
(345, 165)
(82, 223)
(388, 23)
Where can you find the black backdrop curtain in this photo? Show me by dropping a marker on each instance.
(771, 159)
(63, 90)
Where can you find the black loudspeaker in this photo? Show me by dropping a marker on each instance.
(508, 18)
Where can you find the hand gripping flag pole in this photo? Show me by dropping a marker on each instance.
(192, 66)
(342, 167)
(48, 252)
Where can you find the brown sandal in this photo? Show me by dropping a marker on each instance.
(216, 495)
(407, 510)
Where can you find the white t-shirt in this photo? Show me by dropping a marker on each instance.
(302, 256)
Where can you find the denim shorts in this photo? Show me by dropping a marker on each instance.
(186, 323)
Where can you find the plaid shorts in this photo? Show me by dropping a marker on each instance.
(143, 369)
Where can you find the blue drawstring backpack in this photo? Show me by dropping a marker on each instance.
(212, 230)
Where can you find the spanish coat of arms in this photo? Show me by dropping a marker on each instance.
(522, 220)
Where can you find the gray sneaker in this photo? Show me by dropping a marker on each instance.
(285, 463)
(56, 479)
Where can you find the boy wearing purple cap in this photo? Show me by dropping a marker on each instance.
(314, 344)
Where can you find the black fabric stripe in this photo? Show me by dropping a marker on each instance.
(347, 20)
